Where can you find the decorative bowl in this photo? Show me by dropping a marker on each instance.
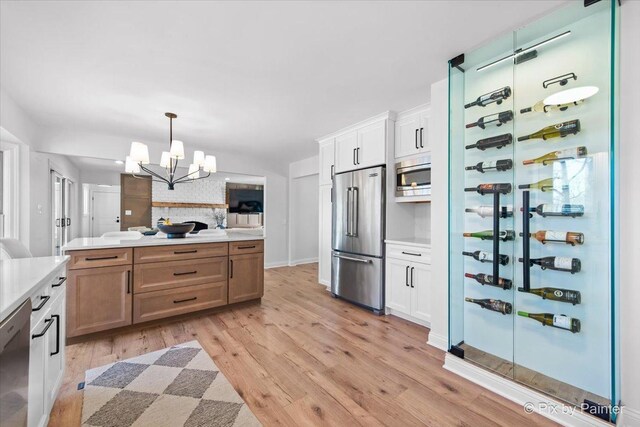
(176, 230)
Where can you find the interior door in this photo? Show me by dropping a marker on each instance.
(106, 213)
(67, 202)
(57, 211)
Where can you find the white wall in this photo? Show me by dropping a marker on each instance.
(103, 177)
(303, 198)
(303, 211)
(629, 209)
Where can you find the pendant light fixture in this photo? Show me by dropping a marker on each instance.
(139, 157)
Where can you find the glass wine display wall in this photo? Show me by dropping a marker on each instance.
(530, 194)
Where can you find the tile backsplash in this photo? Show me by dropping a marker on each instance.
(210, 190)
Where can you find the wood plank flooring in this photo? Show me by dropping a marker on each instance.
(302, 358)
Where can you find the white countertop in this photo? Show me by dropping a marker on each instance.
(19, 278)
(411, 241)
(82, 243)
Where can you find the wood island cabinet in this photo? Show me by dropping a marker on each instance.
(115, 287)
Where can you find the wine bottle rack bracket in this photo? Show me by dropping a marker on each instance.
(561, 80)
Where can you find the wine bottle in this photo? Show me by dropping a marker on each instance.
(556, 294)
(543, 185)
(502, 188)
(496, 96)
(487, 279)
(540, 107)
(560, 263)
(569, 237)
(570, 153)
(566, 209)
(493, 305)
(563, 129)
(556, 320)
(498, 141)
(498, 119)
(499, 165)
(487, 210)
(483, 256)
(488, 235)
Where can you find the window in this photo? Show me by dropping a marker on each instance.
(9, 202)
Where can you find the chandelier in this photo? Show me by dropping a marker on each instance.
(139, 157)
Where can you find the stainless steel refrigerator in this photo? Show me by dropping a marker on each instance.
(357, 261)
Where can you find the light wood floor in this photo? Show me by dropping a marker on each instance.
(304, 358)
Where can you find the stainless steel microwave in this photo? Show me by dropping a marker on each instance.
(413, 177)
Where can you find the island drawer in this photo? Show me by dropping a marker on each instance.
(179, 252)
(172, 274)
(246, 247)
(100, 258)
(160, 304)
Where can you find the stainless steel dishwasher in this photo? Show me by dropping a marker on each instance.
(14, 366)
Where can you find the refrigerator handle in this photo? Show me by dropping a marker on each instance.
(348, 211)
(355, 213)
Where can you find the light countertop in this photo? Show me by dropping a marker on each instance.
(83, 243)
(411, 241)
(20, 278)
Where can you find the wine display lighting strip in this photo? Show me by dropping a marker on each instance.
(520, 52)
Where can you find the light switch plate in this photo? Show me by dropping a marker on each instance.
(127, 212)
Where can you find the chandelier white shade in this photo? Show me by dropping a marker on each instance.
(139, 156)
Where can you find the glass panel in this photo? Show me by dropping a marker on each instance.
(57, 204)
(567, 171)
(570, 366)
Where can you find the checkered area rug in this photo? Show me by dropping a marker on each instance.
(176, 386)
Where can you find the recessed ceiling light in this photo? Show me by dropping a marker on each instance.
(119, 162)
(227, 179)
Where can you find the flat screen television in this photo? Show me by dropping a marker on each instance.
(245, 201)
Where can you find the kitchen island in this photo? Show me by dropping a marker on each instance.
(115, 283)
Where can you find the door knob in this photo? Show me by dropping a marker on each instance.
(117, 219)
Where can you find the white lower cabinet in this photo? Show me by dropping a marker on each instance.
(46, 358)
(408, 287)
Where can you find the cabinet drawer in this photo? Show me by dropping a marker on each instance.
(409, 253)
(159, 304)
(246, 247)
(179, 252)
(100, 258)
(167, 275)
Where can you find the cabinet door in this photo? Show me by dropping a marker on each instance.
(38, 352)
(324, 255)
(55, 356)
(326, 161)
(345, 152)
(246, 277)
(398, 291)
(98, 299)
(423, 132)
(420, 281)
(372, 146)
(407, 136)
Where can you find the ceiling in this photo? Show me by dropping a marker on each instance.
(263, 78)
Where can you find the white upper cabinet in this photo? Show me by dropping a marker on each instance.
(372, 145)
(327, 156)
(412, 132)
(346, 151)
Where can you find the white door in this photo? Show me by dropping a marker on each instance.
(398, 290)
(106, 213)
(324, 255)
(420, 291)
(326, 161)
(423, 133)
(57, 212)
(407, 136)
(346, 146)
(372, 147)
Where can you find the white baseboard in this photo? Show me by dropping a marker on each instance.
(295, 262)
(628, 417)
(536, 402)
(438, 341)
(407, 317)
(325, 282)
(275, 264)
